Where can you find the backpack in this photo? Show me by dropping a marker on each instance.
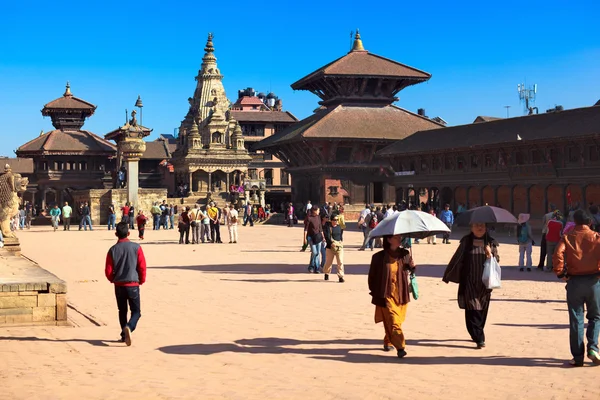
(373, 221)
(523, 234)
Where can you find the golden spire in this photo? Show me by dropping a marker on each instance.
(209, 48)
(358, 45)
(68, 91)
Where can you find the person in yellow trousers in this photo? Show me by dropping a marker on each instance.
(389, 289)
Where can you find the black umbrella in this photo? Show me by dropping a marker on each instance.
(486, 215)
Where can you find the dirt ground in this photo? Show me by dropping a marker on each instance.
(247, 321)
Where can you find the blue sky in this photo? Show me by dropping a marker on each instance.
(477, 52)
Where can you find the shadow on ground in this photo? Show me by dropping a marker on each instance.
(259, 269)
(354, 354)
(93, 342)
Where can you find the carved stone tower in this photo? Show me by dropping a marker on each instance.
(207, 154)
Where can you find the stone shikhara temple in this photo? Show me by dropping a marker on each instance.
(211, 154)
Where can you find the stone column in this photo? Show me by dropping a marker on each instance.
(190, 176)
(132, 165)
(132, 147)
(262, 198)
(227, 182)
(209, 182)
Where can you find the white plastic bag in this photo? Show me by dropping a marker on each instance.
(492, 273)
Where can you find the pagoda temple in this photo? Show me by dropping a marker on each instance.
(331, 154)
(210, 155)
(67, 158)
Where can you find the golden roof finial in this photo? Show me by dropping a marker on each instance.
(358, 45)
(209, 44)
(68, 91)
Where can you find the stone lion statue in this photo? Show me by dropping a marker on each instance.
(10, 185)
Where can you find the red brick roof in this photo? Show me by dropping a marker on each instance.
(567, 124)
(264, 116)
(363, 63)
(18, 165)
(482, 118)
(248, 100)
(353, 122)
(66, 142)
(157, 150)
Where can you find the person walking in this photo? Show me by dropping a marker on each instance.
(22, 215)
(141, 221)
(86, 218)
(334, 237)
(232, 222)
(543, 247)
(389, 290)
(447, 218)
(466, 269)
(67, 211)
(205, 228)
(290, 215)
(171, 216)
(156, 212)
(553, 235)
(131, 216)
(525, 241)
(370, 223)
(125, 213)
(28, 215)
(431, 239)
(313, 229)
(184, 226)
(195, 222)
(112, 217)
(577, 262)
(215, 221)
(248, 214)
(126, 269)
(55, 215)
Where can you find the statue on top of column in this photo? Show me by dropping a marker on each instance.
(10, 186)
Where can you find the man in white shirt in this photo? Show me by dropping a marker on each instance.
(232, 223)
(308, 206)
(391, 211)
(66, 215)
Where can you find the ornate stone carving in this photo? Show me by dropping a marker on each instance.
(10, 186)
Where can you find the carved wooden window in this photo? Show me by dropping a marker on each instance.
(460, 162)
(474, 161)
(435, 164)
(536, 157)
(285, 178)
(342, 154)
(269, 176)
(489, 161)
(449, 163)
(520, 158)
(424, 164)
(556, 157)
(594, 153)
(574, 154)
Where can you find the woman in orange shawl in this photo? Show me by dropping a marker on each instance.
(389, 289)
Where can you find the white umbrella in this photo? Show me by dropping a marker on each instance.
(409, 223)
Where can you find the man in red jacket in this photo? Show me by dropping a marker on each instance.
(126, 268)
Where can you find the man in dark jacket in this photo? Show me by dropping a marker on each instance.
(126, 268)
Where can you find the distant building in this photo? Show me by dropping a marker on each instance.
(67, 158)
(261, 116)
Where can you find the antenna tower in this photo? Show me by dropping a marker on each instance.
(527, 96)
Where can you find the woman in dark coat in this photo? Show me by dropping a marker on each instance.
(184, 226)
(466, 269)
(389, 289)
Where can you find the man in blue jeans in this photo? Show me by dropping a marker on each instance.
(126, 269)
(313, 229)
(447, 218)
(86, 218)
(577, 262)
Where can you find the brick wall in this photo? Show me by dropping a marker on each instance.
(32, 306)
